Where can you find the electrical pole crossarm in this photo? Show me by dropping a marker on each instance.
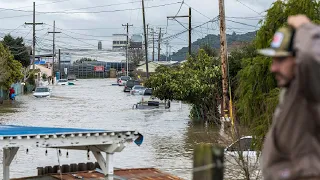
(173, 17)
(33, 23)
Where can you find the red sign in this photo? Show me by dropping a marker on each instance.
(99, 68)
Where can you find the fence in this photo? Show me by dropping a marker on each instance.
(90, 69)
(208, 163)
(18, 88)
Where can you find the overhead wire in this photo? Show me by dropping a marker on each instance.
(88, 12)
(241, 23)
(17, 9)
(78, 39)
(197, 11)
(248, 7)
(117, 10)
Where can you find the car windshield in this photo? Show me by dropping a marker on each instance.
(126, 78)
(131, 83)
(42, 90)
(245, 145)
(148, 91)
(62, 80)
(139, 87)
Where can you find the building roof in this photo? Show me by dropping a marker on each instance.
(11, 130)
(119, 174)
(95, 140)
(52, 137)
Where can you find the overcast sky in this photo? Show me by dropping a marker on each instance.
(81, 28)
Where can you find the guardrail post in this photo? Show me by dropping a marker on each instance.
(208, 162)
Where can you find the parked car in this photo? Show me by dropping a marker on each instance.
(147, 92)
(137, 90)
(123, 80)
(238, 151)
(42, 92)
(62, 82)
(129, 85)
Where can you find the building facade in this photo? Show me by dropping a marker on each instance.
(99, 45)
(119, 41)
(136, 41)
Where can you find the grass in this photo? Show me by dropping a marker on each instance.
(8, 107)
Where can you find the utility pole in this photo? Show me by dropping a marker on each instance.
(127, 59)
(159, 43)
(59, 64)
(190, 28)
(53, 48)
(34, 34)
(190, 31)
(167, 53)
(145, 39)
(224, 58)
(148, 31)
(153, 44)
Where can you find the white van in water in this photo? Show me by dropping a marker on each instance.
(42, 92)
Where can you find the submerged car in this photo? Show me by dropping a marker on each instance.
(129, 85)
(62, 82)
(240, 155)
(42, 92)
(137, 90)
(123, 80)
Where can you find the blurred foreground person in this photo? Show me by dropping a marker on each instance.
(291, 150)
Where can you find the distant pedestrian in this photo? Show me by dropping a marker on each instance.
(12, 93)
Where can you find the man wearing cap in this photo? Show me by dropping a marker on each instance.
(292, 146)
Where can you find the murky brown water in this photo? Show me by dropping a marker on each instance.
(168, 139)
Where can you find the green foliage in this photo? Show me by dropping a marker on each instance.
(136, 56)
(197, 82)
(31, 79)
(18, 49)
(44, 76)
(82, 60)
(10, 69)
(235, 66)
(257, 93)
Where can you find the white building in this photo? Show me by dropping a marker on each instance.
(119, 41)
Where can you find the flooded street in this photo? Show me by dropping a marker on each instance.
(96, 104)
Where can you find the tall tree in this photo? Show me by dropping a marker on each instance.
(136, 56)
(10, 70)
(257, 91)
(18, 49)
(197, 82)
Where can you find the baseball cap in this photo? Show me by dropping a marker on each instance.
(281, 45)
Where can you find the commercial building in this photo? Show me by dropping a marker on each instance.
(136, 41)
(119, 41)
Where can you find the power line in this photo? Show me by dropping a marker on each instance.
(18, 9)
(88, 12)
(78, 33)
(197, 11)
(95, 12)
(79, 40)
(180, 7)
(248, 7)
(177, 34)
(241, 23)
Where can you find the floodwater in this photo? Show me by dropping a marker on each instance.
(168, 137)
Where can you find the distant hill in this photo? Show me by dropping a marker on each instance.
(234, 40)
